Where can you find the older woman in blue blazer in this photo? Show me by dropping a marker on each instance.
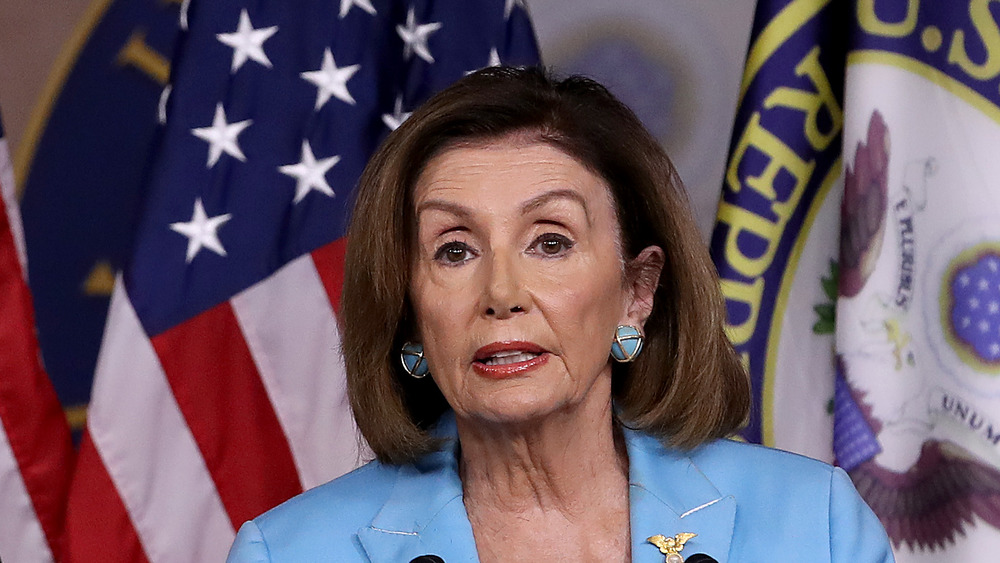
(533, 336)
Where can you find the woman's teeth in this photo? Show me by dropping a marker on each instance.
(512, 357)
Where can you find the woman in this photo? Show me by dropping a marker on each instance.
(527, 244)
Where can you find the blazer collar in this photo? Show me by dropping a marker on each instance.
(424, 514)
(668, 495)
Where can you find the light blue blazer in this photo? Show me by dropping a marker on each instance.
(746, 503)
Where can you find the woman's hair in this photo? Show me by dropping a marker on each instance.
(688, 385)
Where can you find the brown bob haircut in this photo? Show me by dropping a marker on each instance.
(688, 385)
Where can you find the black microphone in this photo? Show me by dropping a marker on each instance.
(696, 558)
(427, 559)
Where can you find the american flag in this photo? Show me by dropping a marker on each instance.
(35, 449)
(219, 390)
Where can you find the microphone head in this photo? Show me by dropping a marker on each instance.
(427, 559)
(700, 558)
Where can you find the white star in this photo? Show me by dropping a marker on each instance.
(992, 264)
(966, 321)
(247, 42)
(397, 117)
(415, 37)
(983, 284)
(345, 6)
(201, 231)
(983, 326)
(994, 349)
(221, 136)
(331, 80)
(494, 61)
(310, 173)
(508, 7)
(994, 307)
(973, 303)
(963, 280)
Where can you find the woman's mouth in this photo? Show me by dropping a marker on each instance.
(504, 359)
(512, 357)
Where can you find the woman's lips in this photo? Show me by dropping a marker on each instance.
(504, 359)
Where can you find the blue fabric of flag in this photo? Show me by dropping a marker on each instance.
(758, 114)
(254, 208)
(82, 177)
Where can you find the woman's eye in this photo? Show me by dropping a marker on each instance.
(453, 252)
(551, 244)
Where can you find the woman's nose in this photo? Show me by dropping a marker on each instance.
(504, 294)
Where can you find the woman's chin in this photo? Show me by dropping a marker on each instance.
(511, 417)
(514, 410)
(529, 400)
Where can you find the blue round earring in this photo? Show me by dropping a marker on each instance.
(414, 362)
(627, 344)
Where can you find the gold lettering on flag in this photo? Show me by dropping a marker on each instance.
(812, 102)
(989, 35)
(138, 54)
(870, 22)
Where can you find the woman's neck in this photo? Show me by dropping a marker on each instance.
(552, 490)
(552, 463)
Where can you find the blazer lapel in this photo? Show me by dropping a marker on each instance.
(668, 495)
(424, 514)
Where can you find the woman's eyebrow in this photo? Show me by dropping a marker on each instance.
(563, 193)
(453, 208)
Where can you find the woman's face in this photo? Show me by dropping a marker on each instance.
(518, 281)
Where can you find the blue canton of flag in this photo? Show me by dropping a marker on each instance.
(273, 113)
(219, 390)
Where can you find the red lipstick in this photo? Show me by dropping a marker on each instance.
(505, 359)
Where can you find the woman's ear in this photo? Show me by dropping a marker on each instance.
(643, 277)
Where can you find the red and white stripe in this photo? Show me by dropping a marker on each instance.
(214, 421)
(35, 450)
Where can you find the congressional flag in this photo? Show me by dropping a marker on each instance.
(219, 390)
(36, 454)
(858, 241)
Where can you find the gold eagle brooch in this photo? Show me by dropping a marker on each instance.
(671, 547)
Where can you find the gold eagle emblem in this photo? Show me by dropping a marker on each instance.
(671, 547)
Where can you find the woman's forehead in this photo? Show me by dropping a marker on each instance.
(508, 169)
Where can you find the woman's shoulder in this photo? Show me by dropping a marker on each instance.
(319, 520)
(732, 460)
(796, 494)
(767, 463)
(757, 477)
(752, 471)
(348, 497)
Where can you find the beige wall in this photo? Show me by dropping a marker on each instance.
(697, 45)
(33, 33)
